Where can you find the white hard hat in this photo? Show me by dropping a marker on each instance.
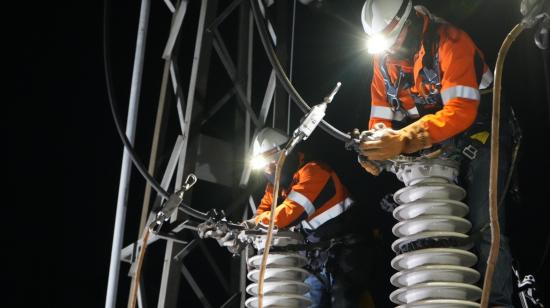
(384, 19)
(267, 142)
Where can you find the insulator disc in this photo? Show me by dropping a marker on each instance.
(429, 191)
(430, 207)
(431, 223)
(433, 256)
(435, 273)
(279, 301)
(279, 260)
(436, 290)
(279, 287)
(435, 236)
(289, 273)
(438, 303)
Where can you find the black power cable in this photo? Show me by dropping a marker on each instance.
(331, 130)
(114, 111)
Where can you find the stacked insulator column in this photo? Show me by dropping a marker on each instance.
(284, 276)
(433, 261)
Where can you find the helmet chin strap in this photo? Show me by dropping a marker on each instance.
(413, 38)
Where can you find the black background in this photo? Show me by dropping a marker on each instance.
(65, 155)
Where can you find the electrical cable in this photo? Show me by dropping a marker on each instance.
(291, 66)
(493, 171)
(547, 78)
(263, 265)
(544, 255)
(287, 85)
(137, 276)
(114, 110)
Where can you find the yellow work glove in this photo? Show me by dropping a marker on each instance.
(394, 142)
(368, 165)
(263, 218)
(249, 223)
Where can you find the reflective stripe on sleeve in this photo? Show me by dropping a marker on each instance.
(381, 112)
(459, 91)
(334, 211)
(302, 200)
(413, 111)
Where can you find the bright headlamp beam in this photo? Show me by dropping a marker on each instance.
(377, 44)
(258, 162)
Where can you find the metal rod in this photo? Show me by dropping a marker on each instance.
(249, 78)
(268, 96)
(141, 296)
(186, 250)
(169, 173)
(114, 267)
(193, 78)
(175, 30)
(264, 110)
(291, 67)
(219, 104)
(174, 74)
(222, 52)
(154, 146)
(230, 300)
(223, 15)
(170, 6)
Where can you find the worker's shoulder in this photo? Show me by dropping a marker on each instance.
(316, 166)
(451, 35)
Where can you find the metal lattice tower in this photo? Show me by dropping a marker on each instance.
(193, 151)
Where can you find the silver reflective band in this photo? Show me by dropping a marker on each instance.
(459, 91)
(302, 201)
(399, 116)
(334, 211)
(413, 111)
(381, 112)
(486, 79)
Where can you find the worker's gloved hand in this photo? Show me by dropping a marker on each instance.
(263, 218)
(370, 166)
(249, 223)
(394, 142)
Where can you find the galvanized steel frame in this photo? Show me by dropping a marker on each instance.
(181, 157)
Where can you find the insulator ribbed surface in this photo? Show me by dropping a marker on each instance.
(283, 283)
(433, 260)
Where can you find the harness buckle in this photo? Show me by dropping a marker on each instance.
(470, 151)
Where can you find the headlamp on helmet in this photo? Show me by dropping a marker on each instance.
(267, 144)
(383, 21)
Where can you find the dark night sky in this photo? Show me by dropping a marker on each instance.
(79, 153)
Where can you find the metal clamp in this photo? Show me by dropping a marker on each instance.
(470, 151)
(171, 204)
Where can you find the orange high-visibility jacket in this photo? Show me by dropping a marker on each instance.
(315, 196)
(462, 71)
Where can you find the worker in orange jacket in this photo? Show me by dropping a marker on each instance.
(314, 201)
(426, 93)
